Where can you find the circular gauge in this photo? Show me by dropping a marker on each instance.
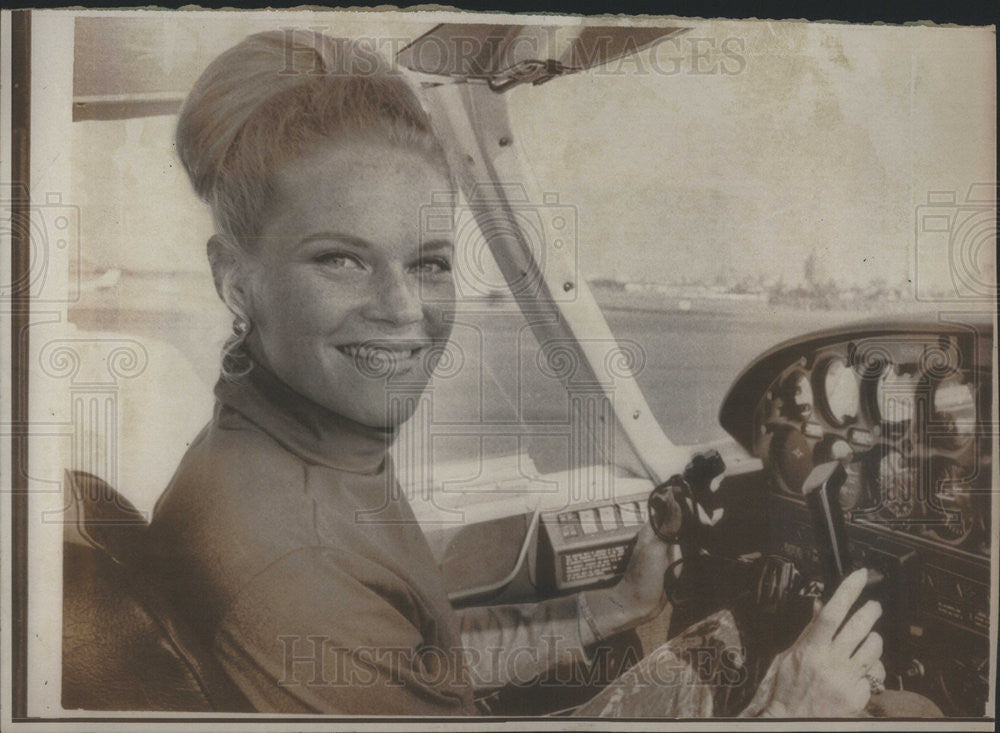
(798, 396)
(954, 410)
(791, 456)
(895, 396)
(840, 392)
(896, 485)
(951, 509)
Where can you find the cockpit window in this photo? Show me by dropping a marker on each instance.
(735, 188)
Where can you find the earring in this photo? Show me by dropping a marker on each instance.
(236, 361)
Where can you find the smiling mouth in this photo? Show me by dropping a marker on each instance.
(395, 351)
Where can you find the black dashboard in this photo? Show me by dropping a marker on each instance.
(906, 408)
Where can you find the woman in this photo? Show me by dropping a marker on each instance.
(315, 159)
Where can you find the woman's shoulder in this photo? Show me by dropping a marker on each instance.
(236, 502)
(233, 461)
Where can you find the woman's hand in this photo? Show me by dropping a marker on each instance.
(822, 674)
(639, 596)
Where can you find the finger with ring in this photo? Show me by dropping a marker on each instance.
(875, 683)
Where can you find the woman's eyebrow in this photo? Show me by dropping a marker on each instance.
(437, 244)
(340, 237)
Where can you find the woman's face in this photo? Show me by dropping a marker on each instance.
(346, 286)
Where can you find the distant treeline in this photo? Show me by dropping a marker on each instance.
(814, 297)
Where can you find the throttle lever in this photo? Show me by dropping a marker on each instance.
(822, 493)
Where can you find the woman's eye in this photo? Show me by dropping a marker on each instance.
(338, 261)
(432, 266)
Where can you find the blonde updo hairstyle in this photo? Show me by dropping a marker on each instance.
(268, 101)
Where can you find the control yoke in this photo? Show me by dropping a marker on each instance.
(686, 503)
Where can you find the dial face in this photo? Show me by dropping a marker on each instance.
(798, 396)
(955, 407)
(792, 456)
(840, 389)
(895, 396)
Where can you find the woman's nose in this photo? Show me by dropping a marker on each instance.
(397, 299)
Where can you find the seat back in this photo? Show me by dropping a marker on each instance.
(124, 646)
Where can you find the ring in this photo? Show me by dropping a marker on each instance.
(874, 683)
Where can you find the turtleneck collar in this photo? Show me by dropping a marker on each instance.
(311, 431)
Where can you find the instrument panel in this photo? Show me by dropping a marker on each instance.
(906, 407)
(901, 412)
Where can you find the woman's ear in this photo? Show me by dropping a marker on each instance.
(225, 260)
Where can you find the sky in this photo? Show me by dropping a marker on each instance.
(807, 137)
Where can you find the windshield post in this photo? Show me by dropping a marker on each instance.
(474, 126)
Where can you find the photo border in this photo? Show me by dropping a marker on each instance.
(19, 319)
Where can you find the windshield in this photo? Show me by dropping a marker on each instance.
(741, 184)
